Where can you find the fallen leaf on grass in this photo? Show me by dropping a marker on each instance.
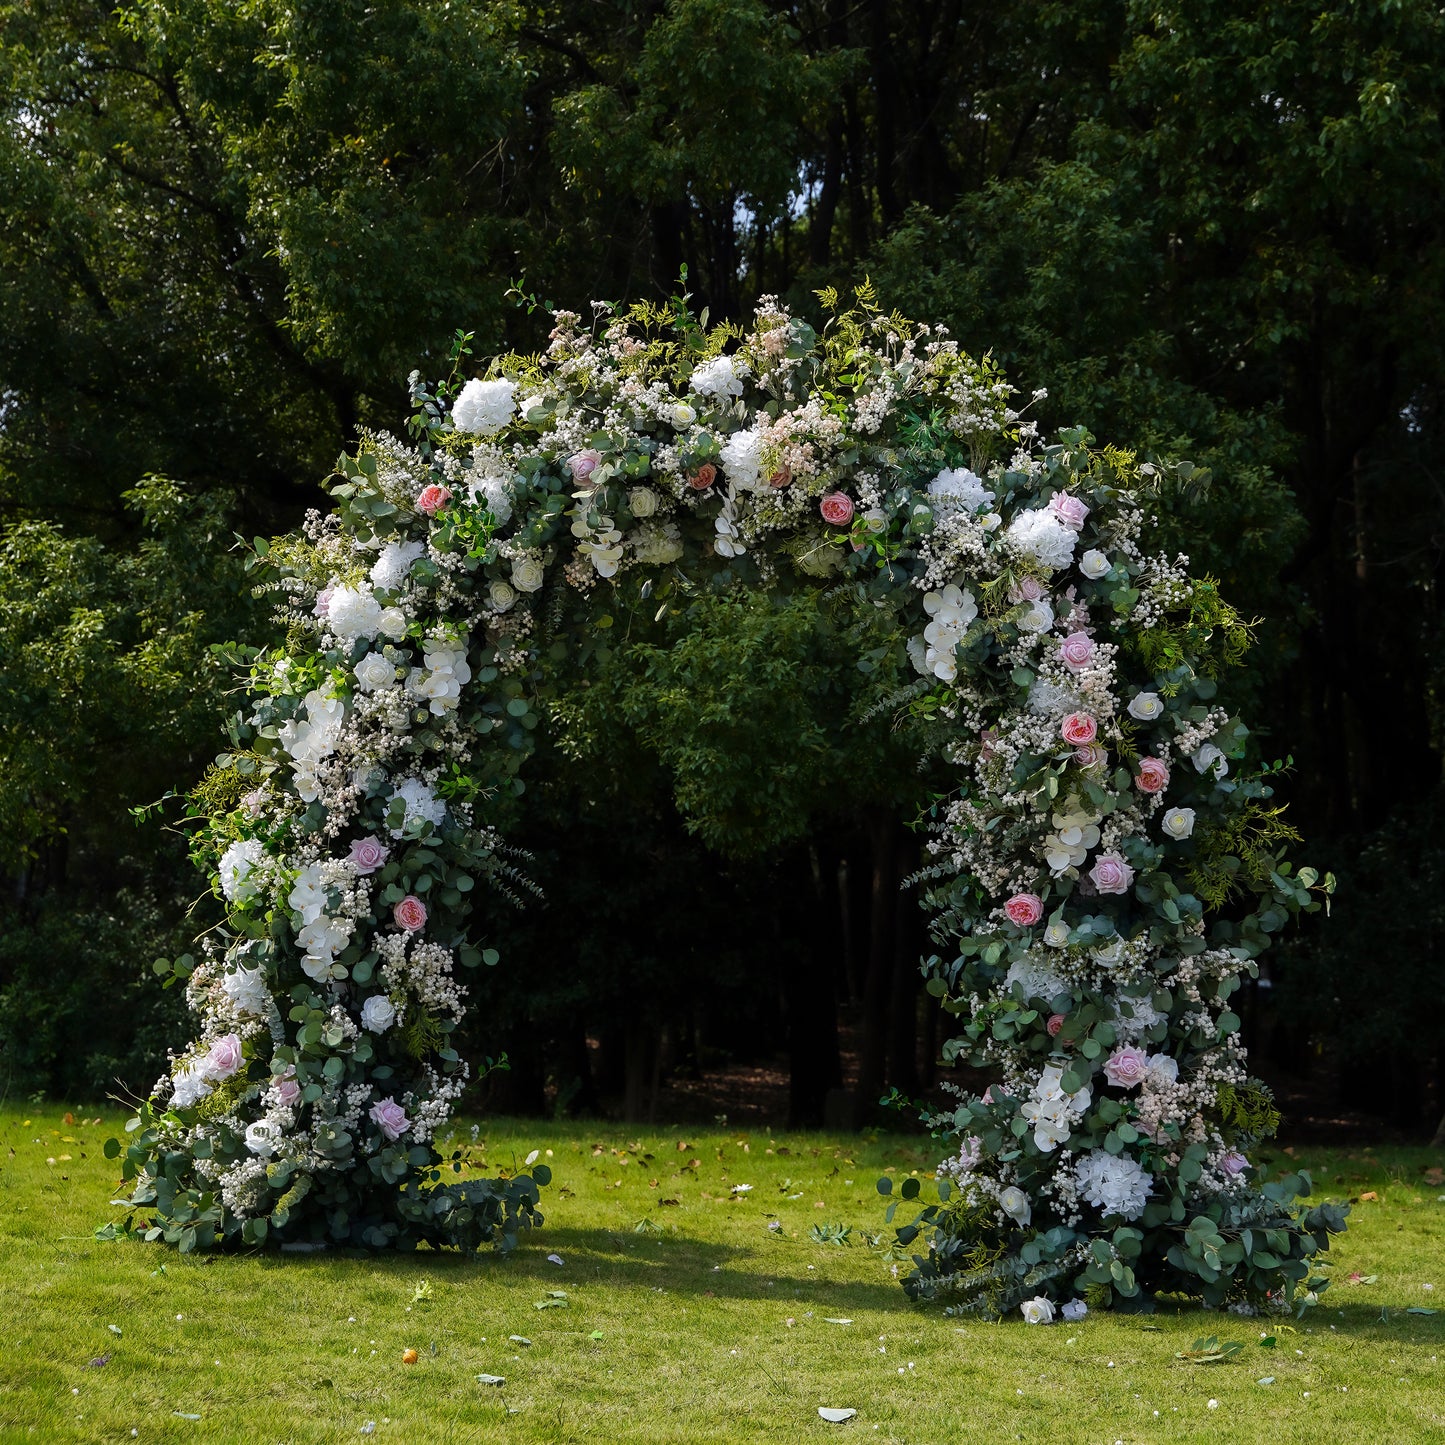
(491, 1379)
(1369, 1195)
(1208, 1351)
(835, 1417)
(114, 1329)
(1420, 1310)
(184, 1415)
(595, 1335)
(556, 1300)
(1265, 1380)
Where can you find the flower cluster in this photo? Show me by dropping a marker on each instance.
(642, 455)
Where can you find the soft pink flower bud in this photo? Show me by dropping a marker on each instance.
(1091, 755)
(584, 464)
(1025, 909)
(1234, 1163)
(410, 913)
(1055, 1023)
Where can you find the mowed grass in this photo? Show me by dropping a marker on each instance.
(686, 1317)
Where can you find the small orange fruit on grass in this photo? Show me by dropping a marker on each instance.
(408, 1357)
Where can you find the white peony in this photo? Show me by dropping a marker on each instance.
(742, 459)
(959, 487)
(1038, 1311)
(246, 988)
(528, 573)
(354, 613)
(378, 1013)
(1015, 1203)
(238, 864)
(1178, 823)
(722, 376)
(264, 1137)
(1093, 564)
(422, 806)
(1146, 706)
(375, 672)
(484, 406)
(394, 561)
(1041, 535)
(1113, 1183)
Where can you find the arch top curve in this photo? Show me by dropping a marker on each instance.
(1079, 871)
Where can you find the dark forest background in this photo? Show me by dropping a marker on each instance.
(228, 231)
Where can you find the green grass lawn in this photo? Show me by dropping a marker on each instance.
(683, 1316)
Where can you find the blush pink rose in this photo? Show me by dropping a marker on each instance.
(583, 464)
(837, 508)
(390, 1118)
(1025, 909)
(1153, 776)
(1126, 1067)
(431, 499)
(1069, 510)
(781, 477)
(1076, 651)
(323, 602)
(1055, 1023)
(287, 1089)
(1111, 874)
(225, 1057)
(1234, 1163)
(1091, 755)
(1029, 590)
(367, 855)
(1078, 728)
(703, 477)
(410, 913)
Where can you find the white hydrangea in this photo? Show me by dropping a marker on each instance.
(238, 865)
(1052, 699)
(722, 376)
(742, 459)
(1113, 1183)
(353, 613)
(192, 1085)
(656, 546)
(495, 494)
(484, 406)
(422, 805)
(1039, 534)
(959, 487)
(246, 988)
(1037, 981)
(392, 564)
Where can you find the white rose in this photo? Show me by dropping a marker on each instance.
(1210, 758)
(484, 406)
(528, 574)
(1093, 564)
(1056, 935)
(682, 415)
(1146, 707)
(875, 519)
(1074, 1310)
(1038, 618)
(990, 521)
(374, 672)
(642, 502)
(378, 1014)
(263, 1137)
(393, 623)
(1015, 1203)
(1178, 822)
(502, 595)
(1039, 1311)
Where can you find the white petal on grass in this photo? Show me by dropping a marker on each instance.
(829, 1320)
(491, 1379)
(835, 1417)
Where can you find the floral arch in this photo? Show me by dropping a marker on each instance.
(1101, 879)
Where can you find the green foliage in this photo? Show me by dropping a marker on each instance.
(1248, 1109)
(1239, 853)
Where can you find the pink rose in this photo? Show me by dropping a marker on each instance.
(1076, 651)
(431, 499)
(1234, 1163)
(390, 1118)
(837, 508)
(1029, 590)
(1078, 728)
(367, 855)
(410, 913)
(703, 477)
(1069, 510)
(781, 477)
(1126, 1067)
(1055, 1023)
(224, 1058)
(1091, 755)
(1025, 909)
(1153, 776)
(287, 1089)
(1111, 874)
(323, 602)
(988, 1095)
(584, 464)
